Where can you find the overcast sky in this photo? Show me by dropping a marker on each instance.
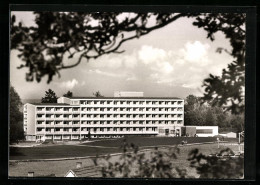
(171, 61)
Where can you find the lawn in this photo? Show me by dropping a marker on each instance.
(153, 141)
(59, 168)
(97, 147)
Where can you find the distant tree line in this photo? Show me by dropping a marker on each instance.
(200, 114)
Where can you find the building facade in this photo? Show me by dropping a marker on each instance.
(103, 117)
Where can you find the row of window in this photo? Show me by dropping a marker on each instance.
(128, 102)
(107, 122)
(110, 116)
(110, 109)
(115, 129)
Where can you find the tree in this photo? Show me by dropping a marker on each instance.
(161, 163)
(132, 163)
(211, 167)
(69, 94)
(61, 35)
(16, 117)
(229, 88)
(98, 94)
(50, 97)
(210, 118)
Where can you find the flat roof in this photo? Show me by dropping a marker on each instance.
(125, 98)
(64, 104)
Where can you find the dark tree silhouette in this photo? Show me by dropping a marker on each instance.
(60, 35)
(16, 117)
(229, 88)
(98, 94)
(69, 94)
(50, 97)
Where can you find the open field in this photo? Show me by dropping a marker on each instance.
(59, 168)
(98, 147)
(154, 141)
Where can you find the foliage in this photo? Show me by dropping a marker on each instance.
(62, 35)
(98, 94)
(69, 94)
(159, 163)
(50, 97)
(229, 88)
(16, 117)
(199, 114)
(134, 163)
(214, 167)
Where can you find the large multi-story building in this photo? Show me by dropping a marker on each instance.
(82, 117)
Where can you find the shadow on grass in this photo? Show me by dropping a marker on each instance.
(15, 151)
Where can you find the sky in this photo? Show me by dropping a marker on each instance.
(169, 62)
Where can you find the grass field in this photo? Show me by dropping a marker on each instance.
(96, 147)
(153, 141)
(59, 168)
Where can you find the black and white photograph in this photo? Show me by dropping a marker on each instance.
(127, 94)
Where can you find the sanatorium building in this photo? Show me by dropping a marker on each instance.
(127, 113)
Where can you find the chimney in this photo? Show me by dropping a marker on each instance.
(30, 174)
(78, 164)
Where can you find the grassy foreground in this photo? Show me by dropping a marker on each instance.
(59, 168)
(97, 147)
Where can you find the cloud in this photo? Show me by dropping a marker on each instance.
(149, 54)
(131, 77)
(195, 52)
(97, 71)
(69, 84)
(186, 67)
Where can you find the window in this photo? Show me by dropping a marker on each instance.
(121, 129)
(204, 131)
(108, 129)
(134, 129)
(57, 129)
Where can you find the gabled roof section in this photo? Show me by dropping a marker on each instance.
(86, 171)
